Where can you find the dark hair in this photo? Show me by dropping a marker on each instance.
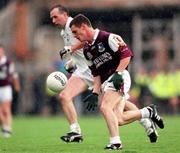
(60, 8)
(79, 20)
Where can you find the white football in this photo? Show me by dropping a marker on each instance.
(56, 81)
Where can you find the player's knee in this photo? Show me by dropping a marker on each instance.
(64, 97)
(121, 120)
(104, 107)
(6, 112)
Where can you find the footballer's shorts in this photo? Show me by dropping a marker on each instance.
(86, 76)
(5, 94)
(127, 84)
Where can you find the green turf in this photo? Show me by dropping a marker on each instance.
(41, 135)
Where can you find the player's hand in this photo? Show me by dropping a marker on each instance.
(117, 80)
(70, 66)
(65, 52)
(92, 101)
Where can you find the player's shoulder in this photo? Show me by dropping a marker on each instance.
(104, 33)
(114, 36)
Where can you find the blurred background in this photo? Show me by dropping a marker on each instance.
(151, 28)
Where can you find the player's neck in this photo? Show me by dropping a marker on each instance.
(91, 34)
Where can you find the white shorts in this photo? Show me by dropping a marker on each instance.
(127, 84)
(5, 94)
(86, 76)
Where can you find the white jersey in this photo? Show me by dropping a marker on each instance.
(82, 70)
(69, 40)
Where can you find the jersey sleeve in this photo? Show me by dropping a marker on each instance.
(114, 43)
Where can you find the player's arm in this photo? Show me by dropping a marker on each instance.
(97, 85)
(92, 99)
(68, 50)
(15, 78)
(123, 64)
(117, 44)
(70, 66)
(16, 84)
(77, 46)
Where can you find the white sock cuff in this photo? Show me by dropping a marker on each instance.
(75, 128)
(145, 112)
(114, 140)
(146, 123)
(6, 127)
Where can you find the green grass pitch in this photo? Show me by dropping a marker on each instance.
(41, 135)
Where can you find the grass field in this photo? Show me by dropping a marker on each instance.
(41, 135)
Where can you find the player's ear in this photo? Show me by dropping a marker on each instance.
(65, 14)
(83, 25)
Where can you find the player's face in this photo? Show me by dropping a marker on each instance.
(79, 33)
(58, 18)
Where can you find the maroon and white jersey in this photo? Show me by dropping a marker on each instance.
(104, 54)
(6, 71)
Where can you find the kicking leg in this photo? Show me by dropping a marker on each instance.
(66, 99)
(146, 123)
(133, 115)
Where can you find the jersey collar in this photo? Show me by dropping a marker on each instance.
(68, 22)
(95, 36)
(66, 26)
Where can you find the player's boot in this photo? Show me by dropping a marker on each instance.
(6, 133)
(155, 117)
(116, 146)
(152, 133)
(72, 137)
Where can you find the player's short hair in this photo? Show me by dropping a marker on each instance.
(61, 8)
(79, 20)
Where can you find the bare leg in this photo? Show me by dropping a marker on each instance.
(1, 115)
(131, 114)
(130, 106)
(74, 87)
(6, 118)
(109, 101)
(7, 113)
(145, 122)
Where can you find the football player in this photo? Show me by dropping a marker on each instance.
(108, 58)
(81, 79)
(8, 76)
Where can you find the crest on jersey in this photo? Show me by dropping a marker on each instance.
(89, 55)
(101, 47)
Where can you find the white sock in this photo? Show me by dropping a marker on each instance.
(114, 140)
(146, 123)
(6, 128)
(145, 112)
(75, 128)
